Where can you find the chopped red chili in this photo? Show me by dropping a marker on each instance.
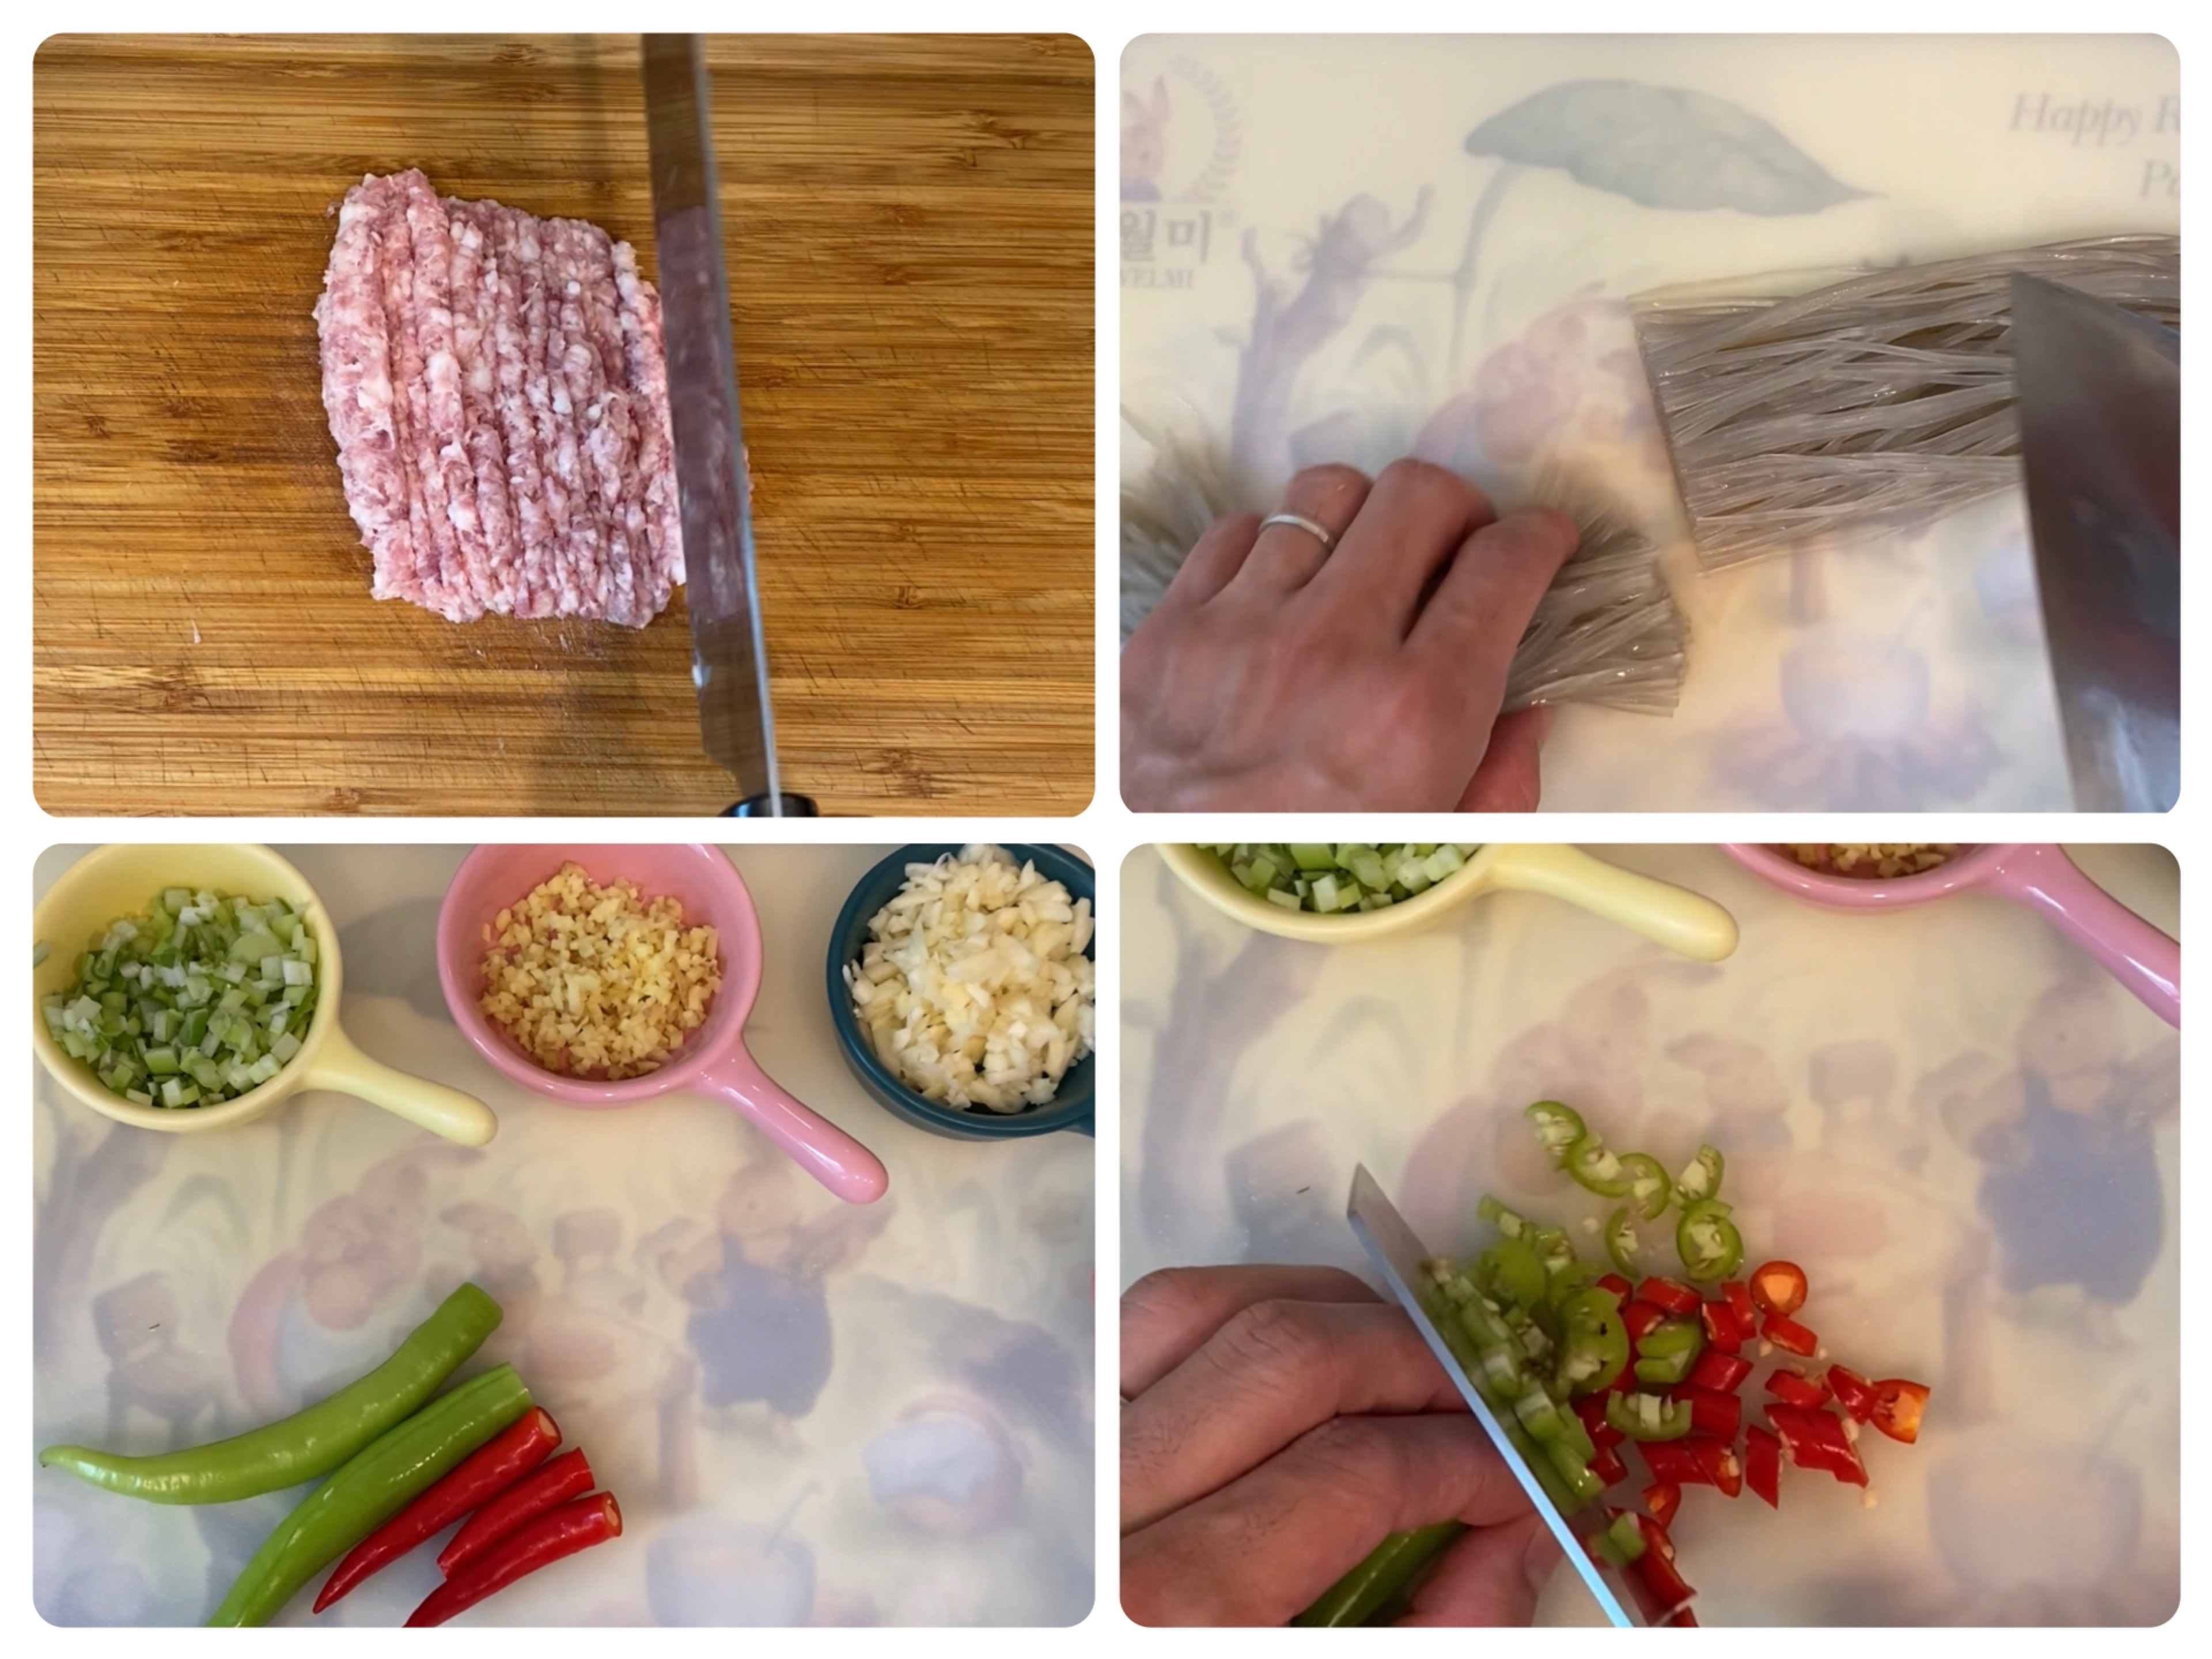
(1897, 1406)
(1796, 1389)
(1667, 1593)
(1640, 1318)
(1737, 1295)
(1779, 1288)
(1723, 1372)
(1673, 1461)
(1853, 1392)
(1662, 1498)
(1720, 1327)
(1608, 1467)
(1670, 1294)
(1591, 1407)
(1762, 1460)
(1712, 1411)
(1620, 1287)
(1816, 1440)
(1718, 1460)
(1784, 1332)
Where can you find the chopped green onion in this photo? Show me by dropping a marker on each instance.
(145, 1013)
(1335, 878)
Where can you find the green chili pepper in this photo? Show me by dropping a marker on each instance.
(1594, 1343)
(1595, 1167)
(1499, 1216)
(1622, 1244)
(1369, 1588)
(1708, 1242)
(1648, 1417)
(374, 1485)
(1571, 1280)
(1558, 1127)
(1512, 1271)
(1621, 1543)
(1553, 1248)
(1700, 1178)
(307, 1444)
(1649, 1192)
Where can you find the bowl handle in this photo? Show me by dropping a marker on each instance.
(341, 1065)
(2143, 959)
(1686, 922)
(820, 1147)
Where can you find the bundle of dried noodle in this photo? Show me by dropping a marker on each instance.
(1606, 632)
(1872, 402)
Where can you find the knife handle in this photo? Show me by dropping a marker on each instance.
(794, 806)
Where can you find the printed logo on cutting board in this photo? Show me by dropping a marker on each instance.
(1180, 136)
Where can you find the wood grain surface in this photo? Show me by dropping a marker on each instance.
(910, 233)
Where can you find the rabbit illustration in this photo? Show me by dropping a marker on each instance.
(1144, 141)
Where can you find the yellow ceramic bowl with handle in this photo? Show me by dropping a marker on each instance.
(120, 881)
(1688, 923)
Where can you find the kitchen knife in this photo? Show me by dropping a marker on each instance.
(2099, 391)
(1399, 1255)
(729, 660)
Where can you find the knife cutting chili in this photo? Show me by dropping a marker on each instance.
(567, 1476)
(310, 1443)
(374, 1484)
(577, 1525)
(487, 1471)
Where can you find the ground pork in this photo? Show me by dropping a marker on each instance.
(496, 388)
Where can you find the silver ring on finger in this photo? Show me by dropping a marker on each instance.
(1300, 521)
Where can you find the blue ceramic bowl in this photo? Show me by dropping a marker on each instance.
(1072, 1107)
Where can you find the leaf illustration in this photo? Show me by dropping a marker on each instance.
(1662, 147)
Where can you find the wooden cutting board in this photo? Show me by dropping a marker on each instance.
(911, 236)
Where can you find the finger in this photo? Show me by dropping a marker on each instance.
(1480, 610)
(1166, 1316)
(1286, 557)
(1414, 519)
(1261, 1549)
(1208, 567)
(1490, 1576)
(1509, 778)
(1273, 1372)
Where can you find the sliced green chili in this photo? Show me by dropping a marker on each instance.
(1700, 1177)
(1708, 1242)
(1649, 1192)
(310, 1443)
(1499, 1216)
(1594, 1343)
(1512, 1271)
(1648, 1417)
(1622, 1244)
(374, 1485)
(1593, 1165)
(1558, 1127)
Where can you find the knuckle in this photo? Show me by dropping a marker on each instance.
(1276, 1337)
(1358, 1456)
(1169, 1297)
(1417, 477)
(1325, 481)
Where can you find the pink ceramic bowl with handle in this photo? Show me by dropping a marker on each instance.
(713, 1061)
(2040, 877)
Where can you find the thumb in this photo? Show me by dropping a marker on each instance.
(1492, 1575)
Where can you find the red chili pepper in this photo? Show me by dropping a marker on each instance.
(1711, 1412)
(1897, 1406)
(1608, 1467)
(1671, 1294)
(1720, 1328)
(1639, 1318)
(1779, 1288)
(1591, 1409)
(1853, 1392)
(1762, 1459)
(1737, 1295)
(1717, 1459)
(1620, 1287)
(1786, 1332)
(1796, 1389)
(1662, 1498)
(1683, 1617)
(1723, 1372)
(566, 1476)
(1668, 1593)
(558, 1532)
(1816, 1440)
(1674, 1462)
(487, 1471)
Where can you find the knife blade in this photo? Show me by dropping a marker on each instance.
(729, 657)
(2100, 394)
(1399, 1255)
